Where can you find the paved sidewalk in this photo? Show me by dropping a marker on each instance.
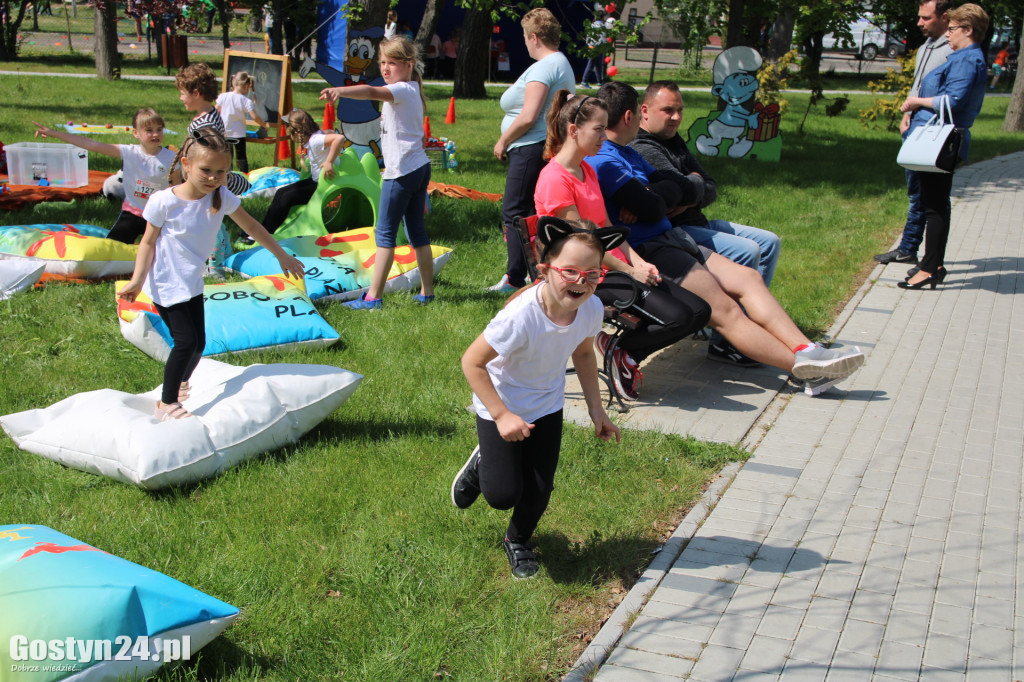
(876, 532)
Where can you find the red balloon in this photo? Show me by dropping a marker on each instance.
(613, 70)
(607, 60)
(609, 8)
(610, 39)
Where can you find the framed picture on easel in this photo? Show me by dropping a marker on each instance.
(272, 89)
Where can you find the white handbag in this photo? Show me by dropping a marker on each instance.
(935, 146)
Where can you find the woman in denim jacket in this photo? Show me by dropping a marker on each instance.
(961, 82)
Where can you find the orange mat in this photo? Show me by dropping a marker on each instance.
(21, 196)
(436, 189)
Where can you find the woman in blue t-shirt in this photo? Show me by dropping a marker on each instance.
(524, 128)
(961, 83)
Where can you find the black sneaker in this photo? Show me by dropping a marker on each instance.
(724, 352)
(521, 558)
(466, 486)
(896, 256)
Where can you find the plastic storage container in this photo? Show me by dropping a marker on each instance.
(60, 165)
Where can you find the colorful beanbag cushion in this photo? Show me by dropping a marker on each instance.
(338, 266)
(18, 275)
(68, 251)
(266, 181)
(262, 312)
(74, 612)
(238, 413)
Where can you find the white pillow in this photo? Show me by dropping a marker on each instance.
(239, 413)
(18, 275)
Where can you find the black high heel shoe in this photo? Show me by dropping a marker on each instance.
(931, 281)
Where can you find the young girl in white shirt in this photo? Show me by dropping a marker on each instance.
(406, 166)
(233, 108)
(516, 369)
(144, 168)
(320, 149)
(181, 228)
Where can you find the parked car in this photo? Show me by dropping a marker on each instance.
(869, 41)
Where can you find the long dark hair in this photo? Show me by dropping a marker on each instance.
(566, 109)
(202, 138)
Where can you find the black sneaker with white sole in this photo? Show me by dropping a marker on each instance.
(521, 558)
(896, 256)
(725, 352)
(466, 486)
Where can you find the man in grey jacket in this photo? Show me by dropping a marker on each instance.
(933, 20)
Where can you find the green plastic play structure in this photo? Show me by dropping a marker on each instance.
(347, 201)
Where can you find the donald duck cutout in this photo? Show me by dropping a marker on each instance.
(359, 120)
(742, 128)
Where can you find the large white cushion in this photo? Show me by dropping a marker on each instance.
(18, 275)
(240, 412)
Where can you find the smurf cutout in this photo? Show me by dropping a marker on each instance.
(741, 128)
(359, 120)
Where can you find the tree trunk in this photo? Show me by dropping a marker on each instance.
(226, 14)
(9, 29)
(734, 29)
(108, 59)
(428, 26)
(474, 55)
(1014, 121)
(782, 34)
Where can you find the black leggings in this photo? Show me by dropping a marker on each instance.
(524, 166)
(237, 145)
(127, 228)
(290, 195)
(520, 476)
(682, 312)
(935, 191)
(187, 323)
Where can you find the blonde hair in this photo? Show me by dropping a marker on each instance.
(566, 109)
(543, 23)
(241, 79)
(971, 15)
(301, 126)
(401, 49)
(202, 138)
(146, 116)
(197, 77)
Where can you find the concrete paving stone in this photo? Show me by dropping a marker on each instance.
(793, 592)
(709, 602)
(950, 620)
(861, 636)
(764, 579)
(749, 601)
(815, 645)
(661, 644)
(670, 628)
(921, 573)
(925, 549)
(613, 673)
(863, 517)
(735, 631)
(991, 611)
(899, 660)
(781, 622)
(717, 663)
(900, 512)
(878, 578)
(955, 592)
(873, 607)
(886, 556)
(710, 558)
(826, 614)
(946, 652)
(850, 666)
(786, 532)
(799, 507)
(940, 675)
(970, 504)
(881, 480)
(934, 507)
(759, 518)
(998, 586)
(837, 585)
(730, 572)
(992, 643)
(649, 662)
(968, 483)
(985, 670)
(723, 545)
(766, 655)
(766, 505)
(907, 627)
(803, 671)
(967, 524)
(689, 616)
(731, 529)
(932, 529)
(826, 523)
(914, 598)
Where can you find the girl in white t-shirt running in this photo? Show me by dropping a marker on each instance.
(144, 168)
(233, 108)
(181, 229)
(320, 150)
(516, 369)
(406, 166)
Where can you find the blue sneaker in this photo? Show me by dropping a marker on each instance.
(362, 303)
(423, 300)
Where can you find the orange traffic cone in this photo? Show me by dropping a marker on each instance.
(328, 117)
(426, 127)
(283, 151)
(450, 117)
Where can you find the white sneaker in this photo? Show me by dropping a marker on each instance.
(502, 287)
(817, 362)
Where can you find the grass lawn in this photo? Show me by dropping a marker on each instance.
(346, 556)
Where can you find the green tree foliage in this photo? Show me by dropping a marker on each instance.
(885, 111)
(693, 22)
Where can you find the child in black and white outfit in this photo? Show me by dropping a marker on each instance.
(233, 108)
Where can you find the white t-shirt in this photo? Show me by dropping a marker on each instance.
(188, 234)
(401, 130)
(316, 153)
(529, 372)
(143, 174)
(233, 109)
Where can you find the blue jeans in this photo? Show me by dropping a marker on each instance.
(743, 244)
(403, 197)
